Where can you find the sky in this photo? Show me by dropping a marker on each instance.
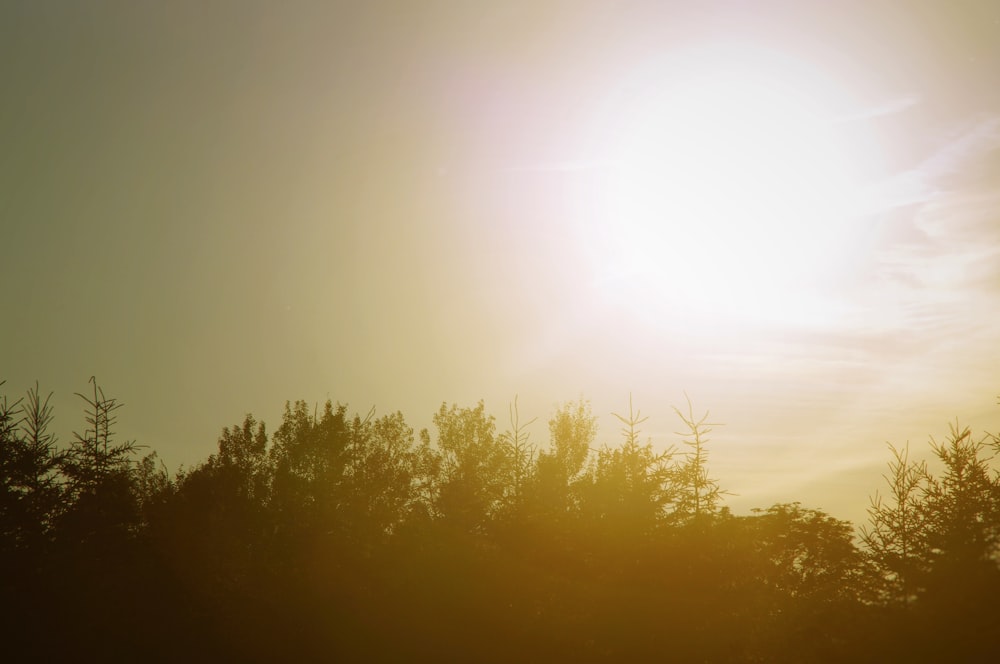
(787, 211)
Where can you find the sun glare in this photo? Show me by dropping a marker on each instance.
(731, 187)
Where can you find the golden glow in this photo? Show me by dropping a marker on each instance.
(731, 185)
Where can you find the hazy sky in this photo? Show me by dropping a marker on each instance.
(789, 210)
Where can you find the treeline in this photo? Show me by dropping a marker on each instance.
(342, 537)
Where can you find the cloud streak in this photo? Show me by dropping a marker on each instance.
(982, 137)
(891, 107)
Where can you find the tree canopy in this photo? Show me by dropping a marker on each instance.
(347, 536)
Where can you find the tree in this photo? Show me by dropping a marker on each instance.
(218, 522)
(811, 576)
(12, 513)
(895, 536)
(697, 494)
(98, 470)
(310, 458)
(630, 485)
(476, 470)
(154, 487)
(811, 554)
(380, 474)
(939, 549)
(239, 471)
(30, 491)
(572, 431)
(520, 450)
(961, 513)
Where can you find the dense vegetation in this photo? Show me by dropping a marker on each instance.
(341, 537)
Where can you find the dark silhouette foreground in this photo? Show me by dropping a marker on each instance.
(347, 538)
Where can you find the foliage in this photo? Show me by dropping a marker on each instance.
(307, 464)
(554, 491)
(30, 490)
(698, 494)
(811, 554)
(629, 486)
(572, 431)
(895, 536)
(100, 501)
(380, 474)
(346, 537)
(521, 451)
(961, 506)
(961, 509)
(476, 470)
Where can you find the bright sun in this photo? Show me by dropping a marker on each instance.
(732, 186)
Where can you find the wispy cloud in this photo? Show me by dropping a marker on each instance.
(923, 182)
(980, 137)
(890, 107)
(957, 209)
(937, 264)
(921, 318)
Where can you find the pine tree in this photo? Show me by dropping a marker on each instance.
(895, 535)
(630, 485)
(698, 494)
(98, 471)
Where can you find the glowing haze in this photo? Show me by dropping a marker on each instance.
(789, 210)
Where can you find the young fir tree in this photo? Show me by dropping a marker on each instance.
(698, 494)
(895, 535)
(98, 471)
(521, 451)
(630, 486)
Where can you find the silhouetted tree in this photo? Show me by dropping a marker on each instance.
(219, 519)
(520, 450)
(554, 490)
(961, 505)
(310, 457)
(476, 470)
(10, 511)
(698, 495)
(154, 487)
(98, 470)
(380, 475)
(242, 456)
(961, 512)
(812, 554)
(630, 485)
(812, 576)
(340, 538)
(896, 534)
(937, 546)
(30, 490)
(572, 431)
